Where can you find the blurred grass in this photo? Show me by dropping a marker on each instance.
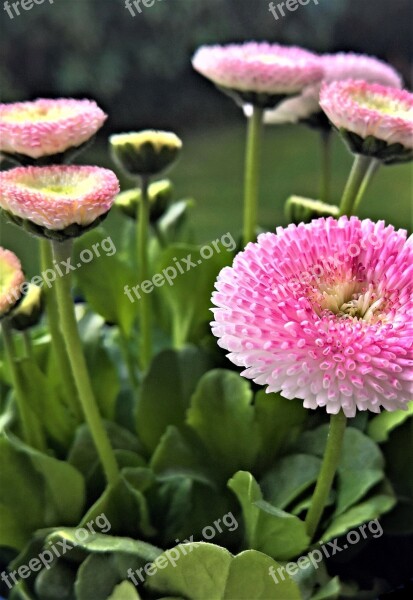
(211, 172)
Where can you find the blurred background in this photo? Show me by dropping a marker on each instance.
(138, 69)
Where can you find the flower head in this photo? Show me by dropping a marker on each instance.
(337, 67)
(30, 309)
(11, 280)
(160, 194)
(323, 312)
(146, 153)
(46, 127)
(59, 201)
(258, 73)
(375, 120)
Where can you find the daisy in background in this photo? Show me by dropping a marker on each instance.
(336, 334)
(259, 75)
(306, 108)
(47, 127)
(376, 122)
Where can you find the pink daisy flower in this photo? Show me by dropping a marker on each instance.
(11, 280)
(323, 312)
(375, 120)
(337, 67)
(258, 73)
(46, 127)
(57, 198)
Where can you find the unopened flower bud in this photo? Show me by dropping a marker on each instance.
(304, 210)
(160, 194)
(30, 309)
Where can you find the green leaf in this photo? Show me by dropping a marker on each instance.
(369, 510)
(124, 591)
(222, 415)
(175, 217)
(96, 578)
(45, 490)
(291, 476)
(99, 543)
(279, 420)
(268, 529)
(188, 294)
(103, 281)
(125, 505)
(205, 571)
(383, 424)
(164, 400)
(56, 582)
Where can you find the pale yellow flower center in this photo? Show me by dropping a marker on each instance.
(384, 105)
(349, 300)
(60, 186)
(270, 59)
(6, 276)
(37, 114)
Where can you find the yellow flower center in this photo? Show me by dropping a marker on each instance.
(384, 105)
(6, 276)
(37, 114)
(350, 300)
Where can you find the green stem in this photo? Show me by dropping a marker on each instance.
(143, 258)
(31, 427)
(57, 342)
(28, 347)
(374, 167)
(328, 470)
(128, 358)
(62, 252)
(252, 173)
(354, 186)
(326, 139)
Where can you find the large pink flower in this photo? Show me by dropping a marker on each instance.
(45, 127)
(58, 197)
(323, 312)
(370, 111)
(11, 281)
(337, 67)
(258, 68)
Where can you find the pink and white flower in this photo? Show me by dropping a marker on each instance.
(11, 281)
(366, 110)
(45, 127)
(323, 312)
(337, 67)
(258, 68)
(57, 197)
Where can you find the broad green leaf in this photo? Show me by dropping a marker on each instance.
(56, 582)
(124, 591)
(268, 529)
(368, 510)
(383, 424)
(173, 220)
(99, 543)
(279, 420)
(205, 572)
(179, 455)
(164, 399)
(45, 490)
(188, 291)
(96, 578)
(103, 280)
(125, 505)
(291, 476)
(222, 415)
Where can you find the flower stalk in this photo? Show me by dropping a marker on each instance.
(252, 173)
(356, 185)
(329, 466)
(143, 262)
(62, 252)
